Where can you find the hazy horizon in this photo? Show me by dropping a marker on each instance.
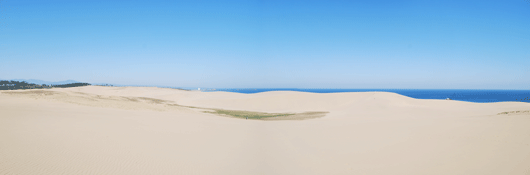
(269, 44)
(36, 81)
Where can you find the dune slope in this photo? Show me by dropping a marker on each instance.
(134, 130)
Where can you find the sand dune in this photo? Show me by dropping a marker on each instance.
(140, 130)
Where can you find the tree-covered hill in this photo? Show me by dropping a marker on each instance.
(12, 85)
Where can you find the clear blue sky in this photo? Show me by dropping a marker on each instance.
(269, 44)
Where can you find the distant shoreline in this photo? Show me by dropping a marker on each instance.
(469, 95)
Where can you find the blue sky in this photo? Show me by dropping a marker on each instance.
(269, 44)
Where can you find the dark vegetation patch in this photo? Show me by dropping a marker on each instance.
(247, 114)
(257, 115)
(514, 112)
(14, 85)
(300, 116)
(152, 100)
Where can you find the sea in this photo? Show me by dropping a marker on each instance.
(478, 96)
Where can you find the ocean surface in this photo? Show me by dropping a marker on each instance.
(480, 96)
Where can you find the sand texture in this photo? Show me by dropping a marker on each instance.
(140, 130)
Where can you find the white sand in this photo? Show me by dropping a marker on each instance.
(76, 132)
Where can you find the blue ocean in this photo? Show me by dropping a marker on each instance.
(480, 96)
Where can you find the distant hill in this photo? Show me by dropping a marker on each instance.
(34, 81)
(13, 85)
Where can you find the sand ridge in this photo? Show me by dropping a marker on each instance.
(136, 103)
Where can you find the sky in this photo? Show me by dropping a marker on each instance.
(269, 44)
